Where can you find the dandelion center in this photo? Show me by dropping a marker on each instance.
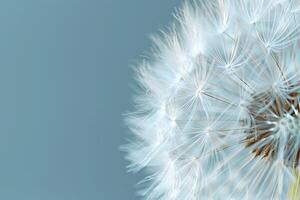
(275, 129)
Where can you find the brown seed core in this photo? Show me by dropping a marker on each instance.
(267, 111)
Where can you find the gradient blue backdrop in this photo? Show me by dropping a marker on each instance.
(64, 83)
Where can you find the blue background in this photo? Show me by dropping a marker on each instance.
(64, 82)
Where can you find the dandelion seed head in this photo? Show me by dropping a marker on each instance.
(217, 115)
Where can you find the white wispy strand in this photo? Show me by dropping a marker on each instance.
(192, 110)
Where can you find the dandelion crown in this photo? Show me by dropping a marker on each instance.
(217, 115)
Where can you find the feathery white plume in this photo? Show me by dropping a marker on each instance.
(218, 111)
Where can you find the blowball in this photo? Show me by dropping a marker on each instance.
(217, 115)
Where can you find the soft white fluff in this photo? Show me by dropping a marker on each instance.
(191, 112)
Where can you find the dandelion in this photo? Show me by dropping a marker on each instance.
(217, 115)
